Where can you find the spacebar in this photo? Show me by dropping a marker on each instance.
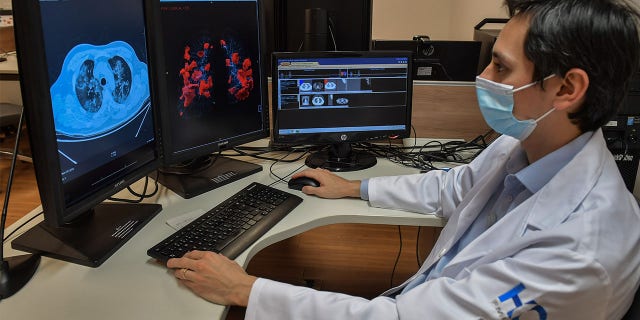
(235, 234)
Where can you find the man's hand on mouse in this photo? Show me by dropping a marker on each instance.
(331, 185)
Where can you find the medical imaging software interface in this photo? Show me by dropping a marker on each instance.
(99, 85)
(344, 94)
(211, 52)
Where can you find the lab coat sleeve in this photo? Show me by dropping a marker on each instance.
(438, 191)
(557, 284)
(275, 300)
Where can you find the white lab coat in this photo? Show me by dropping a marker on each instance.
(574, 246)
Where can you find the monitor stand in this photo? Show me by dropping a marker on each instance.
(205, 175)
(93, 237)
(341, 157)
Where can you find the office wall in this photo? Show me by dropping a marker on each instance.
(441, 20)
(465, 14)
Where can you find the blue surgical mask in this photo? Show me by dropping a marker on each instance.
(496, 104)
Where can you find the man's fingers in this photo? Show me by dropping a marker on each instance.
(196, 255)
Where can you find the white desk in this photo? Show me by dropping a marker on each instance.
(130, 285)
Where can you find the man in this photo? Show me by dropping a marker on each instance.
(540, 225)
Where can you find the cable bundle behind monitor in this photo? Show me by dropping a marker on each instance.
(426, 156)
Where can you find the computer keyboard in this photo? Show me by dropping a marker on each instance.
(232, 226)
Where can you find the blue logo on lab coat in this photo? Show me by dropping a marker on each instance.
(520, 308)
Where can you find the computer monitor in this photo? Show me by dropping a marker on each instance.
(207, 57)
(438, 60)
(336, 98)
(85, 88)
(326, 25)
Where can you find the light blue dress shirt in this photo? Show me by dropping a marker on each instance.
(521, 182)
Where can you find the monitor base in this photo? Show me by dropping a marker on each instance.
(223, 171)
(353, 161)
(91, 240)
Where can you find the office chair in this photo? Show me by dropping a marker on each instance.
(9, 117)
(634, 310)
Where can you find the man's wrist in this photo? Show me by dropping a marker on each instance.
(240, 296)
(364, 189)
(355, 189)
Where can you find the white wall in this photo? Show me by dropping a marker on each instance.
(402, 19)
(467, 13)
(439, 19)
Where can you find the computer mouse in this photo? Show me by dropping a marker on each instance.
(298, 183)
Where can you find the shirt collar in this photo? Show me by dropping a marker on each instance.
(538, 174)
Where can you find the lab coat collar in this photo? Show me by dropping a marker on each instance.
(460, 222)
(549, 210)
(538, 174)
(542, 210)
(481, 192)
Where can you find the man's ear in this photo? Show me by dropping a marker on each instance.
(572, 90)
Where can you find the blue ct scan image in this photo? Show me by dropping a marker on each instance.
(100, 89)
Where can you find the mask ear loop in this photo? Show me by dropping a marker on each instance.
(552, 107)
(534, 83)
(525, 86)
(546, 114)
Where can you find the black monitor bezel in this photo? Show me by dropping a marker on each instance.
(35, 89)
(341, 137)
(169, 154)
(423, 51)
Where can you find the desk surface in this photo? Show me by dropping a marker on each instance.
(10, 66)
(130, 285)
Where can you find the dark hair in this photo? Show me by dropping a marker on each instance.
(597, 36)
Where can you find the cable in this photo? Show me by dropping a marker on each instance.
(192, 166)
(395, 264)
(333, 38)
(423, 157)
(260, 151)
(5, 209)
(21, 226)
(14, 158)
(143, 195)
(282, 178)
